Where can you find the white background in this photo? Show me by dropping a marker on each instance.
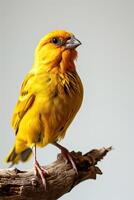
(106, 67)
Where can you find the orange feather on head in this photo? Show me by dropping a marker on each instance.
(56, 55)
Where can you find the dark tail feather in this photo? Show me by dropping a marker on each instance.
(14, 158)
(26, 154)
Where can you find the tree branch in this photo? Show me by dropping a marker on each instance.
(61, 178)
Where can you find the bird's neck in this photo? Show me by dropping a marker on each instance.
(67, 62)
(63, 64)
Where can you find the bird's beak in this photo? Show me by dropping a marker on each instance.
(72, 43)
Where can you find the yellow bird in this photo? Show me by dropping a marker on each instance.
(50, 96)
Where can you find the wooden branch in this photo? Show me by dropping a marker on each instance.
(25, 185)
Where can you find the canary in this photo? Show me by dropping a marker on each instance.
(50, 96)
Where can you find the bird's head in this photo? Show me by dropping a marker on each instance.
(57, 48)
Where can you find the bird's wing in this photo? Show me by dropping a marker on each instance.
(25, 101)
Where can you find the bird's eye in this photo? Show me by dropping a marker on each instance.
(56, 41)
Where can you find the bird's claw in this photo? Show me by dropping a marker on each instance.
(41, 171)
(68, 157)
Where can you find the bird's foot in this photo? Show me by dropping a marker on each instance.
(41, 171)
(67, 156)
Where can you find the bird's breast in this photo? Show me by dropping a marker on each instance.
(58, 101)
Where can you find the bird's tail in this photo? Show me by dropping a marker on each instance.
(14, 157)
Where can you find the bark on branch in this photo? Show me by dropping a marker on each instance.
(24, 185)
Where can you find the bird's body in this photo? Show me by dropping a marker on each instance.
(50, 97)
(53, 100)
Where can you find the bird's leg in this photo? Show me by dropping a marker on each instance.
(40, 170)
(67, 155)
